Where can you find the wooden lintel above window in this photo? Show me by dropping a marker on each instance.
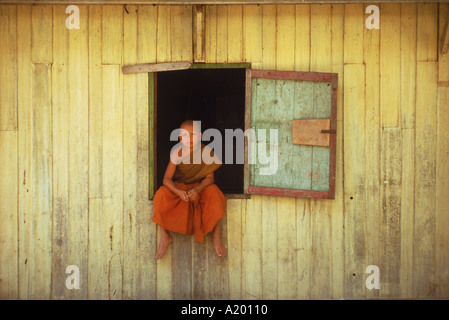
(156, 67)
(192, 2)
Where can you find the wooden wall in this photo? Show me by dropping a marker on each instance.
(74, 156)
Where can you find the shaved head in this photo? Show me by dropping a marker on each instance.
(190, 123)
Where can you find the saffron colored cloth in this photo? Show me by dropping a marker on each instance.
(187, 217)
(191, 172)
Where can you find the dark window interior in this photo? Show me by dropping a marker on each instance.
(216, 97)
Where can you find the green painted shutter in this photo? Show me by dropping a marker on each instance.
(273, 100)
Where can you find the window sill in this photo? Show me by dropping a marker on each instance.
(237, 196)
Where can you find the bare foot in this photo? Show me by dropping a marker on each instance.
(166, 239)
(219, 248)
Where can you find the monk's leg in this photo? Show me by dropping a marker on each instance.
(166, 239)
(216, 239)
(213, 204)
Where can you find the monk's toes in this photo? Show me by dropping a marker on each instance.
(163, 248)
(221, 251)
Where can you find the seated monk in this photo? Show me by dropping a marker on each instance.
(189, 202)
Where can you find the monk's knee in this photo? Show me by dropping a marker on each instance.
(213, 192)
(162, 193)
(211, 189)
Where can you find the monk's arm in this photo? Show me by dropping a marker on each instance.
(208, 180)
(168, 181)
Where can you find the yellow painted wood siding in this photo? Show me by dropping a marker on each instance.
(74, 143)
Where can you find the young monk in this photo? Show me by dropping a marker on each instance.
(189, 202)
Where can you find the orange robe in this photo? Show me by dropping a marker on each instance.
(186, 217)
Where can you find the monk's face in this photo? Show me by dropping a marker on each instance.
(190, 137)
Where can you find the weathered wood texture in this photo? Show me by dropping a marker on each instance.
(75, 146)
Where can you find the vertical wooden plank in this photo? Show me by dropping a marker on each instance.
(181, 33)
(164, 276)
(390, 233)
(146, 229)
(425, 157)
(182, 266)
(24, 113)
(443, 59)
(442, 194)
(390, 64)
(407, 213)
(286, 252)
(146, 33)
(41, 37)
(250, 122)
(320, 168)
(320, 38)
(321, 254)
(427, 32)
(371, 56)
(354, 33)
(442, 166)
(97, 261)
(98, 274)
(9, 289)
(304, 248)
(281, 121)
(112, 34)
(130, 35)
(78, 150)
(40, 242)
(163, 36)
(285, 90)
(8, 67)
(252, 255)
(268, 34)
(198, 36)
(235, 28)
(320, 223)
(211, 34)
(166, 267)
(217, 277)
(302, 109)
(321, 155)
(252, 35)
(113, 177)
(337, 216)
(164, 273)
(234, 216)
(320, 24)
(95, 103)
(130, 244)
(146, 52)
(354, 180)
(222, 34)
(408, 64)
(200, 269)
(262, 111)
(408, 99)
(60, 123)
(302, 37)
(269, 247)
(285, 37)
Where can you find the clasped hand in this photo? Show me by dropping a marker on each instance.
(191, 195)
